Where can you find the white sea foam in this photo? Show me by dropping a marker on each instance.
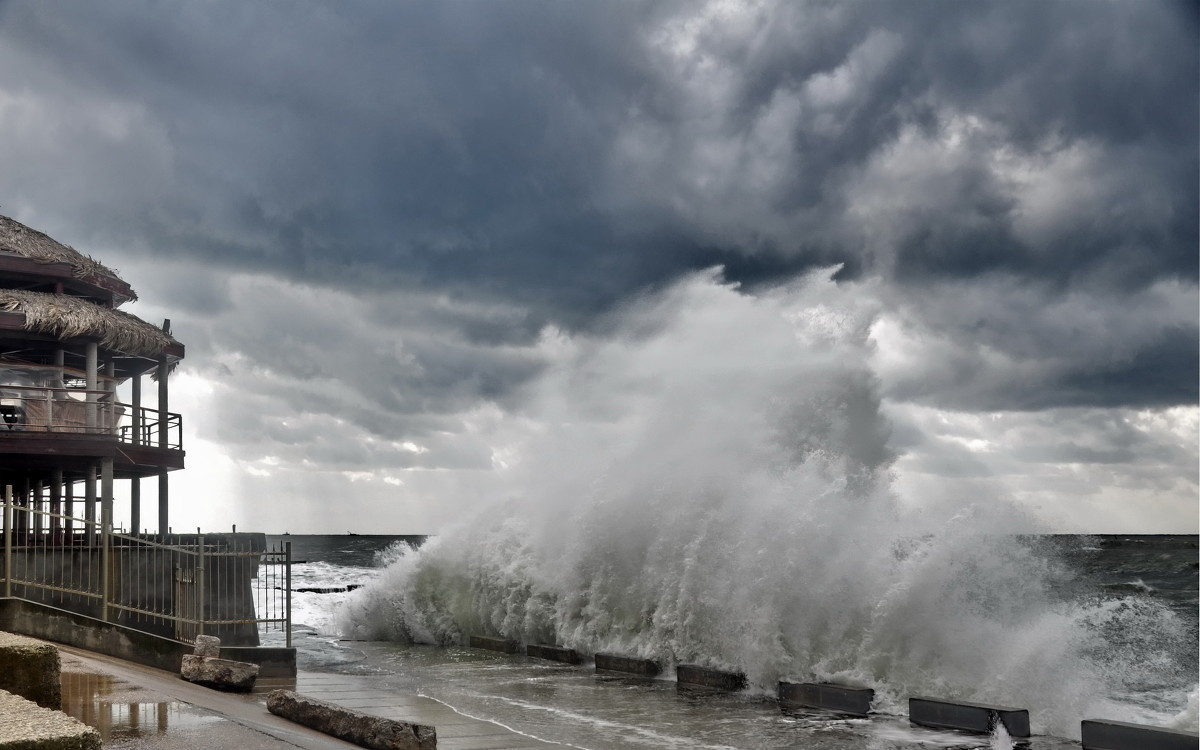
(710, 482)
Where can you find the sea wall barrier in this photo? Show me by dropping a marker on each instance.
(716, 679)
(552, 653)
(60, 626)
(1118, 735)
(969, 717)
(831, 697)
(628, 664)
(965, 716)
(494, 644)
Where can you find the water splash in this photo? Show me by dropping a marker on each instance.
(709, 481)
(1000, 739)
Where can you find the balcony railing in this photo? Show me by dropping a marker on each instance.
(34, 409)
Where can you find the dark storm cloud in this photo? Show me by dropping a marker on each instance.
(555, 159)
(1008, 344)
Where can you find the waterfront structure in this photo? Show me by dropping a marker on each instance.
(65, 347)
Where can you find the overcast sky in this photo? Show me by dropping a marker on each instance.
(380, 228)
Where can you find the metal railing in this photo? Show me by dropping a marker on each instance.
(61, 410)
(174, 585)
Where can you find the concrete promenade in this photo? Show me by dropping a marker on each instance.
(140, 707)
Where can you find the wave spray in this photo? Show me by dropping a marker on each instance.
(708, 480)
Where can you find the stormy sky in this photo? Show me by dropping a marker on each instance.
(378, 226)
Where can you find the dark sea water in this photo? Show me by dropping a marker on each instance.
(576, 707)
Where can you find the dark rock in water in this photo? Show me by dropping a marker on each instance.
(347, 724)
(325, 589)
(222, 674)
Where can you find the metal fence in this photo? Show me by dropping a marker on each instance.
(174, 585)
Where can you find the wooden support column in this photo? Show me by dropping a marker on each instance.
(162, 402)
(35, 508)
(89, 497)
(135, 505)
(106, 493)
(109, 421)
(162, 502)
(56, 524)
(136, 417)
(93, 382)
(69, 508)
(163, 488)
(22, 517)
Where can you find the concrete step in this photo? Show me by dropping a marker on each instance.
(25, 724)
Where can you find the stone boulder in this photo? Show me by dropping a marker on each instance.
(222, 674)
(368, 731)
(207, 645)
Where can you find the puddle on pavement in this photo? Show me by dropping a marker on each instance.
(111, 707)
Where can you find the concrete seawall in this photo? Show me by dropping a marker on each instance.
(73, 629)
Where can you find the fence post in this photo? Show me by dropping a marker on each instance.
(200, 592)
(287, 586)
(105, 572)
(8, 540)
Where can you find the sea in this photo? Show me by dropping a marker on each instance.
(1110, 631)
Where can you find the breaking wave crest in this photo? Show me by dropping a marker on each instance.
(709, 482)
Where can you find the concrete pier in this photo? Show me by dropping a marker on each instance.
(840, 698)
(969, 717)
(631, 665)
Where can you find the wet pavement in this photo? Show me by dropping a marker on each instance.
(133, 706)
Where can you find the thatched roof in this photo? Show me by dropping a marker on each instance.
(66, 317)
(18, 239)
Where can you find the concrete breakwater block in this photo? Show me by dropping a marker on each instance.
(847, 700)
(969, 717)
(347, 724)
(1098, 734)
(222, 674)
(30, 668)
(697, 676)
(25, 724)
(641, 667)
(494, 644)
(553, 653)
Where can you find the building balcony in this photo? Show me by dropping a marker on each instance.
(52, 425)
